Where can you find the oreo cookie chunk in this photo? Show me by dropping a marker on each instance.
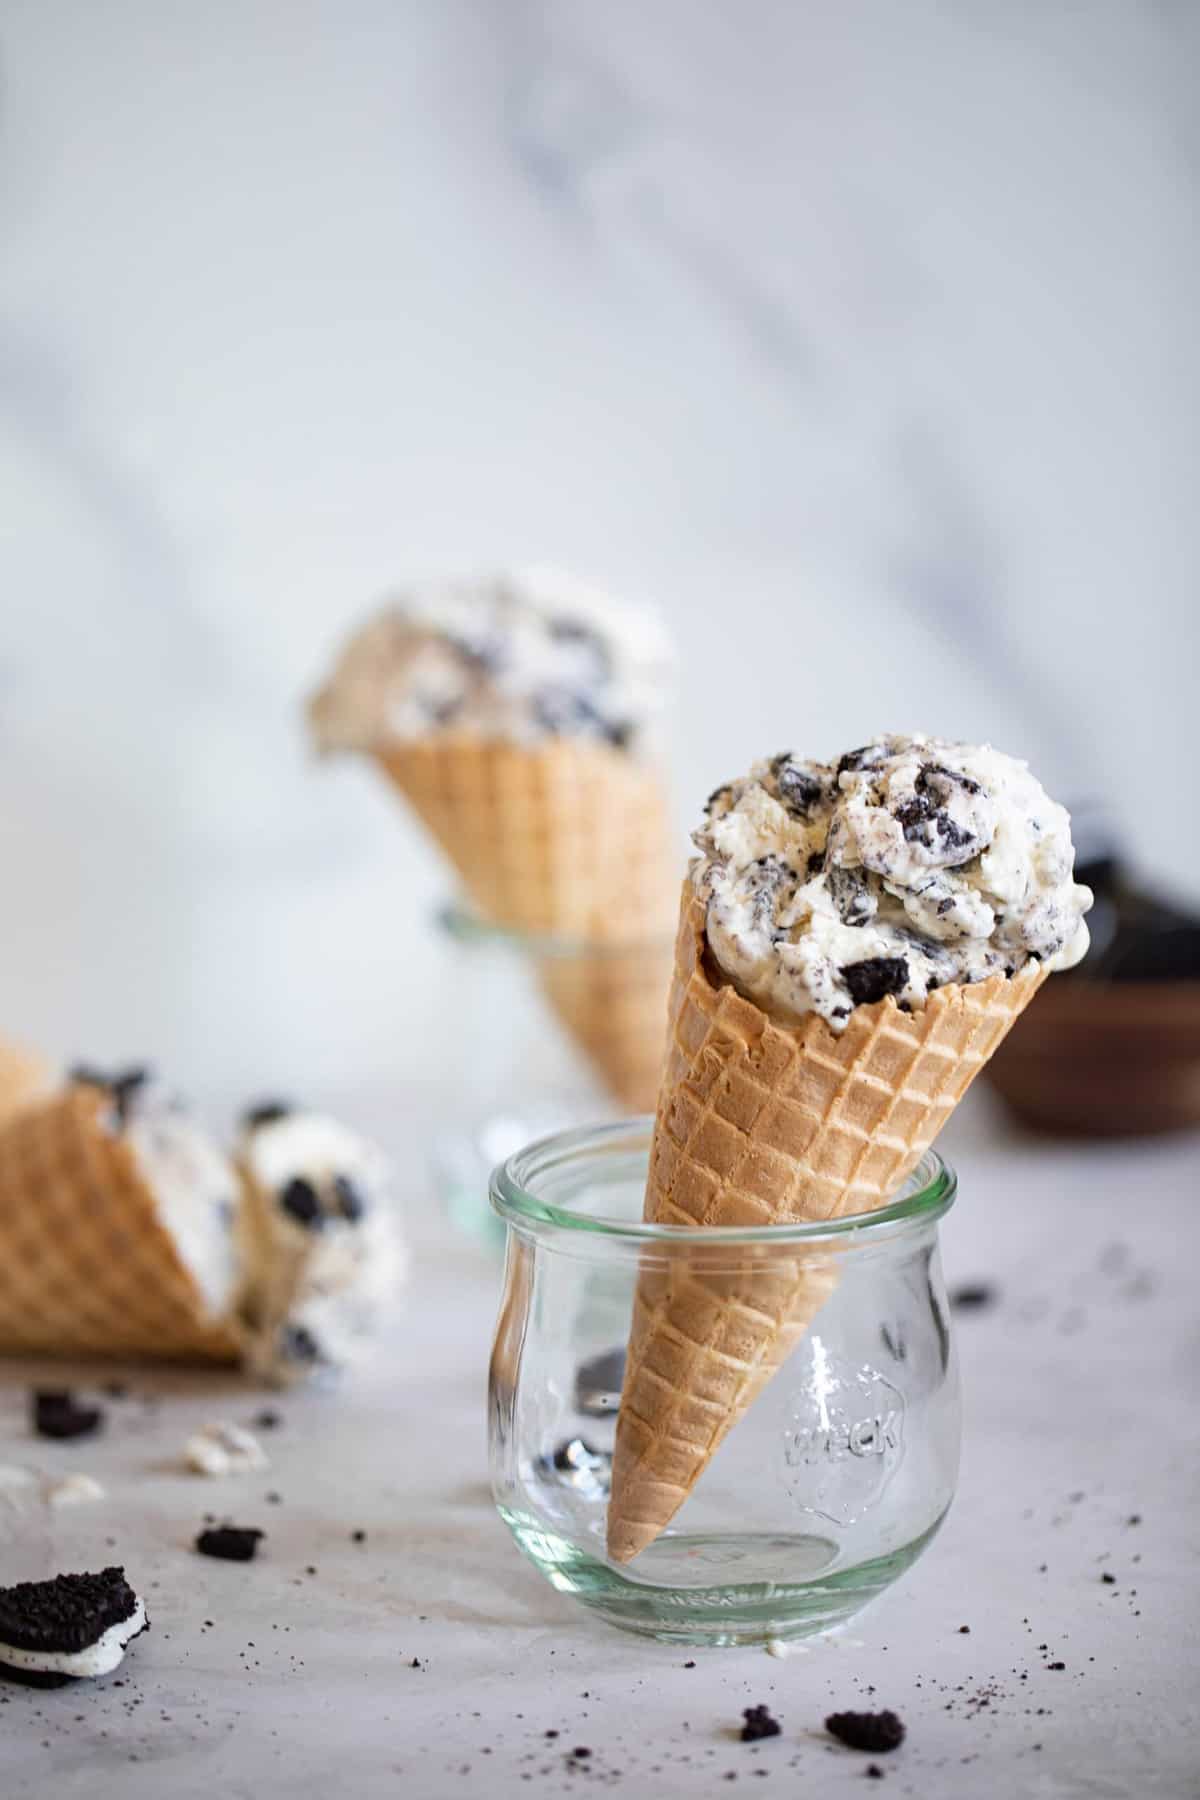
(72, 1628)
(801, 786)
(871, 1731)
(56, 1414)
(230, 1543)
(122, 1085)
(875, 978)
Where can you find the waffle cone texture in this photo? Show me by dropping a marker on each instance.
(573, 840)
(762, 1123)
(567, 836)
(612, 1001)
(87, 1266)
(22, 1078)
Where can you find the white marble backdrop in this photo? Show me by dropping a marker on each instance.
(861, 335)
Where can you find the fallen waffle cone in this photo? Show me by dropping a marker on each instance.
(567, 836)
(22, 1078)
(761, 1123)
(612, 1001)
(87, 1265)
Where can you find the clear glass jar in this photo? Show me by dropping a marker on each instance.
(833, 1481)
(558, 1031)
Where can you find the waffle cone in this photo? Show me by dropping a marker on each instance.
(761, 1123)
(568, 837)
(22, 1078)
(87, 1265)
(612, 1001)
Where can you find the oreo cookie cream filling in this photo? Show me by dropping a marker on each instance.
(908, 864)
(511, 658)
(71, 1628)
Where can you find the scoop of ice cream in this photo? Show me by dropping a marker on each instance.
(321, 1243)
(909, 863)
(517, 658)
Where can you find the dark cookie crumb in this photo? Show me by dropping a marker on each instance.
(759, 1724)
(267, 1420)
(267, 1112)
(123, 1087)
(358, 1537)
(56, 1415)
(973, 1296)
(232, 1543)
(964, 1630)
(1056, 1665)
(1108, 1580)
(879, 1731)
(874, 1772)
(875, 978)
(349, 1199)
(301, 1202)
(581, 1752)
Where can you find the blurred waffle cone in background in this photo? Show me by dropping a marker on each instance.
(612, 1000)
(570, 839)
(518, 714)
(88, 1261)
(567, 836)
(761, 1123)
(23, 1077)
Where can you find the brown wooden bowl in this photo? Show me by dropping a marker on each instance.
(1104, 1059)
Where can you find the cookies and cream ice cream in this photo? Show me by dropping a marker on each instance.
(193, 1183)
(906, 865)
(516, 658)
(321, 1246)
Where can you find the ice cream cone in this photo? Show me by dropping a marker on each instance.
(761, 1123)
(612, 1000)
(92, 1240)
(566, 836)
(22, 1078)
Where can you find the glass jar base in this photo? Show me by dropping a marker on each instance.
(659, 1601)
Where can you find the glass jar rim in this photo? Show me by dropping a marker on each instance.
(468, 927)
(933, 1194)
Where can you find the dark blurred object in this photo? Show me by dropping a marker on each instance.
(1112, 1049)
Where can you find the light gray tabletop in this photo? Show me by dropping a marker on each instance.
(432, 1660)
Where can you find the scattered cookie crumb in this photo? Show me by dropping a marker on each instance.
(973, 1296)
(232, 1543)
(865, 1730)
(56, 1414)
(759, 1724)
(75, 1490)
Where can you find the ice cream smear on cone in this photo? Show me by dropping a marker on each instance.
(322, 1253)
(855, 939)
